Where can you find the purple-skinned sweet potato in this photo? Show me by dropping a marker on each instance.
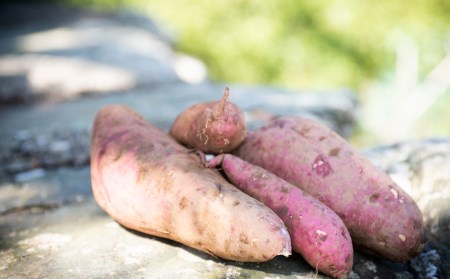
(381, 217)
(211, 127)
(148, 182)
(317, 233)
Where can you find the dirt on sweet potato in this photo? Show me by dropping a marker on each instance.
(317, 233)
(381, 217)
(212, 127)
(148, 182)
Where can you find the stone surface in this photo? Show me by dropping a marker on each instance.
(56, 135)
(57, 53)
(80, 241)
(23, 150)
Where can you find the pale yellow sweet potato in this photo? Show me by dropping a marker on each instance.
(146, 181)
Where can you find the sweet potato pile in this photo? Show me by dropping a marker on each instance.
(292, 183)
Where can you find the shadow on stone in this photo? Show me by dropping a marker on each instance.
(293, 265)
(172, 243)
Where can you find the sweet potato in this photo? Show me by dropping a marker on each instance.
(211, 127)
(146, 181)
(380, 216)
(317, 233)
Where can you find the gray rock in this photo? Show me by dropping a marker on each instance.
(29, 175)
(59, 135)
(14, 89)
(427, 264)
(403, 275)
(353, 275)
(79, 52)
(25, 150)
(44, 188)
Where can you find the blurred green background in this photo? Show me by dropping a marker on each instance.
(394, 54)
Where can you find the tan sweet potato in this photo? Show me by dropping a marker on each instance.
(211, 127)
(381, 217)
(146, 181)
(317, 233)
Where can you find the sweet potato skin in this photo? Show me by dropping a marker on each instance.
(211, 127)
(317, 233)
(146, 181)
(381, 217)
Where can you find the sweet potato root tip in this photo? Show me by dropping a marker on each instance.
(220, 108)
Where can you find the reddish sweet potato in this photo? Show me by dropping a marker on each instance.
(211, 127)
(379, 215)
(146, 181)
(317, 233)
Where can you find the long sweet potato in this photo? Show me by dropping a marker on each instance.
(146, 181)
(380, 216)
(211, 127)
(317, 233)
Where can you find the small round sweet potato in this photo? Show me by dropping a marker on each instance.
(380, 216)
(211, 127)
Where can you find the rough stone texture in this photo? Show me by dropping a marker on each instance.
(94, 246)
(55, 135)
(50, 225)
(23, 151)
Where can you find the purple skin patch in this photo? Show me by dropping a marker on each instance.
(321, 166)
